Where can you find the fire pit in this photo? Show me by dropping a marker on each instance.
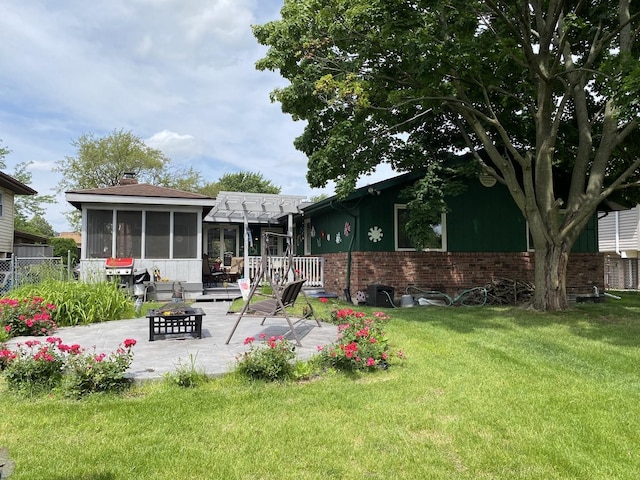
(175, 318)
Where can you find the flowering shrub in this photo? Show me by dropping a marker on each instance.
(90, 372)
(26, 317)
(269, 361)
(35, 367)
(362, 343)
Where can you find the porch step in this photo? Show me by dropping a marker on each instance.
(218, 294)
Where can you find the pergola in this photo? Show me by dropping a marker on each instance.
(260, 208)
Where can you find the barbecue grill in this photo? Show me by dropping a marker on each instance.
(121, 269)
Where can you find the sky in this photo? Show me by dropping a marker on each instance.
(179, 74)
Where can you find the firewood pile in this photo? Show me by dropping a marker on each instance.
(509, 292)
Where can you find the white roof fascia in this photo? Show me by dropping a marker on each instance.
(134, 200)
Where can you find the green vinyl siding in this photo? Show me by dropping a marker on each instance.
(480, 219)
(485, 219)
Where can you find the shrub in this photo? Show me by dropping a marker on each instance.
(34, 367)
(90, 372)
(26, 317)
(362, 343)
(269, 361)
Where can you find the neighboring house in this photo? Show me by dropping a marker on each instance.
(9, 188)
(619, 240)
(482, 237)
(30, 245)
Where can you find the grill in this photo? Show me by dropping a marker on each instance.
(121, 269)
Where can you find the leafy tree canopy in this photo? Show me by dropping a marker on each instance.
(541, 95)
(249, 182)
(103, 161)
(29, 210)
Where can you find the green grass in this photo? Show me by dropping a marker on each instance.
(490, 393)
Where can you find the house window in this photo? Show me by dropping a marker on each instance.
(129, 234)
(158, 227)
(222, 242)
(99, 233)
(435, 238)
(185, 235)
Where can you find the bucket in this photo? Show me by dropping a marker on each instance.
(406, 301)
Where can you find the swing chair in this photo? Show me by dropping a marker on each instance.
(285, 285)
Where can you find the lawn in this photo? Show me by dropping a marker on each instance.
(496, 393)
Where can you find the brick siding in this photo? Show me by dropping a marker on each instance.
(451, 272)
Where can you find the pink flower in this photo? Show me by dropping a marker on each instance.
(249, 340)
(370, 362)
(262, 336)
(100, 357)
(7, 328)
(129, 342)
(323, 300)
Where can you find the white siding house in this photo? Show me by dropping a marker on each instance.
(619, 238)
(9, 187)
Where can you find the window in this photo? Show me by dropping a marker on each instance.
(185, 235)
(222, 242)
(1, 204)
(157, 229)
(129, 234)
(99, 233)
(435, 238)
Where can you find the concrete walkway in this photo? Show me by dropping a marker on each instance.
(153, 359)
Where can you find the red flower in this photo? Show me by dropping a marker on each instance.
(323, 300)
(370, 362)
(129, 342)
(249, 340)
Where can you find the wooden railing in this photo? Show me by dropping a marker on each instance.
(309, 268)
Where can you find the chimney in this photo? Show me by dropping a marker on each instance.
(129, 178)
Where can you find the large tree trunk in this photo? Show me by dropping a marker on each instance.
(551, 278)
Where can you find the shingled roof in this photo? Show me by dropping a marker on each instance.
(136, 193)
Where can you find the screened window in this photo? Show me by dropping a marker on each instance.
(434, 236)
(129, 234)
(158, 227)
(99, 233)
(185, 235)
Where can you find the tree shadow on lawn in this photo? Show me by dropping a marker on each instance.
(615, 321)
(87, 476)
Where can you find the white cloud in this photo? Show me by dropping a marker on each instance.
(178, 73)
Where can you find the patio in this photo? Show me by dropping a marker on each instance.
(151, 360)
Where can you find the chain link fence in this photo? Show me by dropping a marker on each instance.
(16, 271)
(621, 273)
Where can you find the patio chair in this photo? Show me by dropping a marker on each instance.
(211, 275)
